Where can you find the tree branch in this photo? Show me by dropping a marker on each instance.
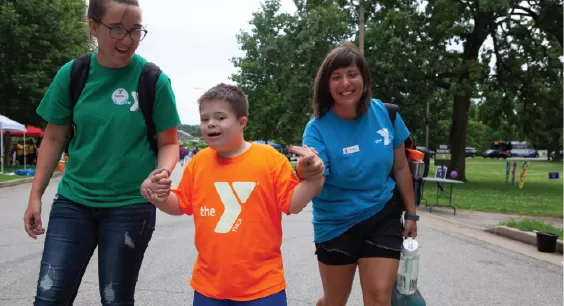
(532, 14)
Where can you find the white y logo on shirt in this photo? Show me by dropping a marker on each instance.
(135, 105)
(386, 135)
(230, 198)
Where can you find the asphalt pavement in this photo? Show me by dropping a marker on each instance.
(455, 269)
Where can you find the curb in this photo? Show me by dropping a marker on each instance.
(519, 235)
(445, 219)
(23, 181)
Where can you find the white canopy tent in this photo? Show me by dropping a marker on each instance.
(7, 124)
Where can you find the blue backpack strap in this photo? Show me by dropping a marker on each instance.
(147, 90)
(79, 76)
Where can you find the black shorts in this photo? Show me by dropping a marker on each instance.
(378, 236)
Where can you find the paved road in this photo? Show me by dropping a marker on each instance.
(455, 269)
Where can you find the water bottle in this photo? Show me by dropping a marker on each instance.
(408, 271)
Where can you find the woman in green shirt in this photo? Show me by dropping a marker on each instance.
(98, 202)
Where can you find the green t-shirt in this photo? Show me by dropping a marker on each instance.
(110, 155)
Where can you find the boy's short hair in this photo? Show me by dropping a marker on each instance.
(230, 93)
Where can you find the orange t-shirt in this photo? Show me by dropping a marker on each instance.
(237, 205)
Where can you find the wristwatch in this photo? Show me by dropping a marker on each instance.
(411, 217)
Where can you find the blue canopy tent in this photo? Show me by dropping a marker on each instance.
(275, 145)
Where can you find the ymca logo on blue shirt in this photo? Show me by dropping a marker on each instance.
(358, 156)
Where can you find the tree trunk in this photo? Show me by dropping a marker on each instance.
(461, 106)
(458, 136)
(556, 146)
(361, 28)
(7, 148)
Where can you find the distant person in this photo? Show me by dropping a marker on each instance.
(357, 216)
(98, 203)
(20, 152)
(183, 154)
(237, 192)
(31, 152)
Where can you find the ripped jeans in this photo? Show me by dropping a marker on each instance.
(121, 234)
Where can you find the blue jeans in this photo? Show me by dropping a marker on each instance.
(121, 234)
(277, 299)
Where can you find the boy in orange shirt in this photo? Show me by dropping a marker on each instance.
(237, 192)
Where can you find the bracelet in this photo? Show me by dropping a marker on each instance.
(298, 174)
(167, 171)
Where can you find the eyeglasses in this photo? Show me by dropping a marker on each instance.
(118, 32)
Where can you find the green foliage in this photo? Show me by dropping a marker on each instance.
(419, 53)
(479, 135)
(193, 130)
(282, 53)
(36, 38)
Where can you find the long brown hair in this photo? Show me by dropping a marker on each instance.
(344, 55)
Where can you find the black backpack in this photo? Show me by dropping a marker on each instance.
(146, 90)
(392, 111)
(409, 144)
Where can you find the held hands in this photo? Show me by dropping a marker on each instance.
(156, 187)
(310, 166)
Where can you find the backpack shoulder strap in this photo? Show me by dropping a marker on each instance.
(392, 111)
(147, 89)
(79, 75)
(78, 78)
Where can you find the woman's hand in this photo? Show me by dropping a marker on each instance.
(159, 184)
(410, 228)
(32, 218)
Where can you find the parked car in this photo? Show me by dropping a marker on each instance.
(471, 152)
(427, 151)
(496, 154)
(524, 153)
(553, 154)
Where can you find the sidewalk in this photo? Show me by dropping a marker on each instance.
(484, 220)
(482, 226)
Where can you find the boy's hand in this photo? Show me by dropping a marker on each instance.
(153, 198)
(310, 166)
(158, 184)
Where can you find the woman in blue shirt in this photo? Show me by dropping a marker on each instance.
(357, 215)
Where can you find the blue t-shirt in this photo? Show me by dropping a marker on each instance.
(358, 156)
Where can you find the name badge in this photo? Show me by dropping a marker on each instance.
(351, 150)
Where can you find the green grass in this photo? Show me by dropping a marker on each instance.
(5, 178)
(486, 189)
(533, 225)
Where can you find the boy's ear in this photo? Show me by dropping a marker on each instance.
(243, 122)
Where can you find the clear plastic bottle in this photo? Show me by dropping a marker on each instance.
(408, 271)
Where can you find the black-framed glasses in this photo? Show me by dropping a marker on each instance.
(119, 32)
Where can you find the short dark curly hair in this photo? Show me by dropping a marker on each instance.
(230, 93)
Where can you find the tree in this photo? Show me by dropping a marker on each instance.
(529, 73)
(420, 54)
(36, 38)
(282, 53)
(193, 130)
